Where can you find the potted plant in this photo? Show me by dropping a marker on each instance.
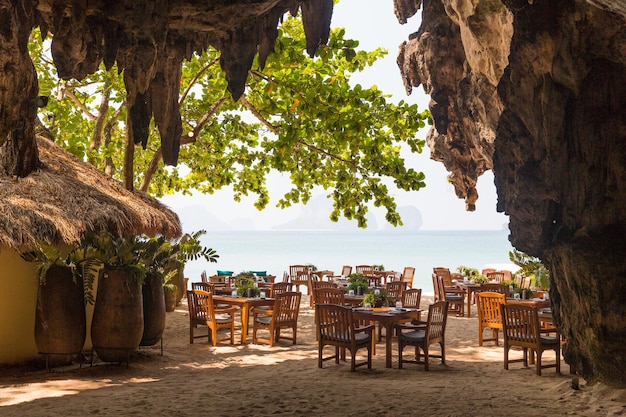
(378, 267)
(531, 267)
(357, 283)
(117, 324)
(246, 285)
(378, 298)
(189, 248)
(60, 320)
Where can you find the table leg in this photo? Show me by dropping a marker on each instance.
(245, 320)
(469, 302)
(388, 339)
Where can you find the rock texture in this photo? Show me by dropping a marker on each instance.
(536, 90)
(148, 40)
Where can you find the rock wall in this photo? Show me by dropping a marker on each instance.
(536, 90)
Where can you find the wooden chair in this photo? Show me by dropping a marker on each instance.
(500, 288)
(454, 297)
(395, 289)
(411, 298)
(283, 314)
(485, 271)
(520, 325)
(365, 269)
(422, 337)
(497, 276)
(203, 276)
(299, 275)
(204, 286)
(279, 288)
(315, 285)
(203, 312)
(407, 276)
(335, 326)
(489, 317)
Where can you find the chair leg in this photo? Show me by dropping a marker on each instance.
(480, 335)
(214, 336)
(337, 354)
(443, 352)
(369, 357)
(539, 353)
(506, 356)
(426, 358)
(400, 348)
(320, 349)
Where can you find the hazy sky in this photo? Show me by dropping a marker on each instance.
(374, 24)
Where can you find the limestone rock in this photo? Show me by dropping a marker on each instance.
(536, 90)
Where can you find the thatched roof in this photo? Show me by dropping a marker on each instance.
(67, 197)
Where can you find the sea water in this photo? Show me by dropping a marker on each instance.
(274, 251)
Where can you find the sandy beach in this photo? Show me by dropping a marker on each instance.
(256, 380)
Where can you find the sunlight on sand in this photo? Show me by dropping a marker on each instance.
(12, 395)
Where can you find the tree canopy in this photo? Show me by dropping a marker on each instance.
(298, 115)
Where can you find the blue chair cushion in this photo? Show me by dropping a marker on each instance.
(224, 273)
(259, 273)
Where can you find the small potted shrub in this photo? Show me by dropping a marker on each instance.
(377, 299)
(246, 285)
(357, 283)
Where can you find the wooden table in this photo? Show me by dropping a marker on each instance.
(469, 289)
(388, 318)
(244, 305)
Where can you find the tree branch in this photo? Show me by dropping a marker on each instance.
(195, 78)
(184, 140)
(69, 93)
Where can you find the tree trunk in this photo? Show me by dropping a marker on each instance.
(18, 86)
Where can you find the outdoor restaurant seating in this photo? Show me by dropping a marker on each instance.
(395, 289)
(299, 275)
(496, 276)
(492, 287)
(520, 325)
(365, 269)
(284, 314)
(279, 288)
(489, 316)
(454, 296)
(202, 312)
(315, 285)
(336, 327)
(422, 337)
(407, 276)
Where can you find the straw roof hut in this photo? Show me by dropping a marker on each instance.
(67, 197)
(57, 203)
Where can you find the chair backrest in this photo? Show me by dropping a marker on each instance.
(286, 307)
(440, 291)
(395, 289)
(517, 279)
(329, 295)
(526, 282)
(365, 269)
(497, 276)
(346, 270)
(501, 288)
(408, 274)
(279, 288)
(520, 324)
(412, 298)
(446, 276)
(488, 306)
(204, 300)
(204, 286)
(218, 279)
(315, 285)
(335, 323)
(296, 270)
(485, 271)
(203, 277)
(436, 323)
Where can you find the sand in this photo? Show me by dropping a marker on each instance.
(256, 380)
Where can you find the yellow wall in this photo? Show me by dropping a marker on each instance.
(18, 297)
(18, 300)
